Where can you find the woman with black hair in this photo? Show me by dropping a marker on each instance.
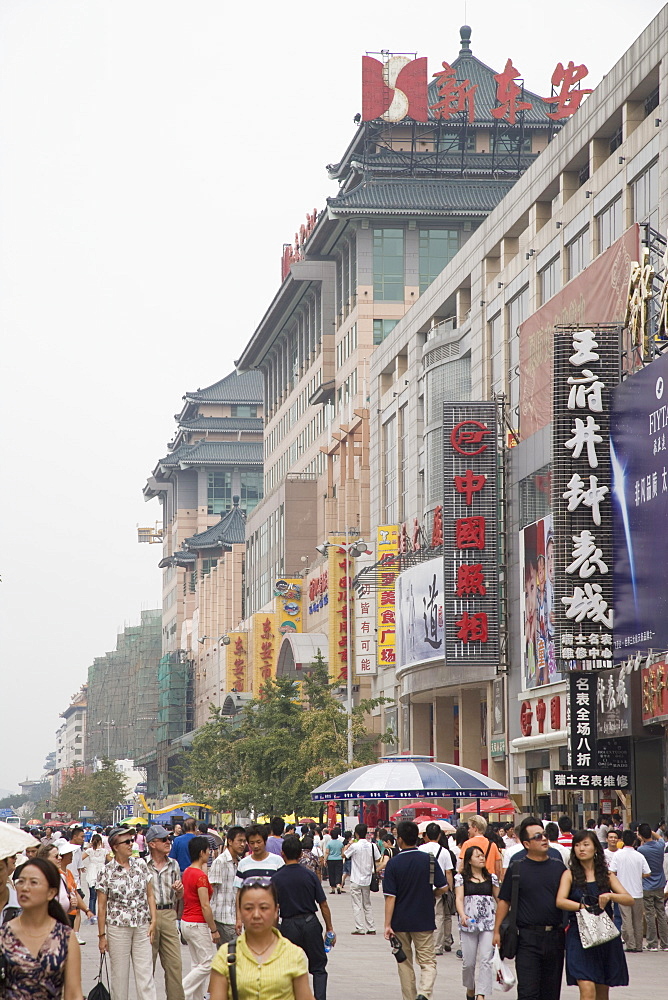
(41, 952)
(476, 892)
(588, 884)
(267, 966)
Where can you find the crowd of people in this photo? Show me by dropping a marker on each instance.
(252, 909)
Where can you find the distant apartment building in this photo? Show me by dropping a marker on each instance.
(71, 746)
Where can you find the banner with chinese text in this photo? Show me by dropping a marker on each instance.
(470, 535)
(338, 608)
(265, 649)
(387, 557)
(364, 607)
(586, 369)
(236, 661)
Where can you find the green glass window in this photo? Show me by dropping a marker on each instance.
(388, 265)
(251, 490)
(219, 492)
(437, 248)
(243, 411)
(381, 328)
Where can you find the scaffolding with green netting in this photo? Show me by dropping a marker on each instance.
(123, 685)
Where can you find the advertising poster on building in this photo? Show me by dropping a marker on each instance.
(265, 649)
(597, 295)
(639, 447)
(364, 612)
(613, 700)
(470, 537)
(288, 604)
(539, 664)
(420, 613)
(655, 693)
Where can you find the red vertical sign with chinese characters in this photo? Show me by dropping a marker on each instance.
(470, 533)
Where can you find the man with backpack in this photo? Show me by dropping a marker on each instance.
(444, 905)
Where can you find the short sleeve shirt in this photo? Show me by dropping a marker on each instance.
(299, 890)
(489, 849)
(442, 854)
(125, 889)
(407, 877)
(538, 885)
(273, 977)
(193, 880)
(653, 853)
(249, 867)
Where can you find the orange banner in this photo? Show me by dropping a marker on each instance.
(265, 649)
(236, 663)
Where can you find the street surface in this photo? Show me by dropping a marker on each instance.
(367, 962)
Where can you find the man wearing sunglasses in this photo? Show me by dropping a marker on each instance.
(540, 950)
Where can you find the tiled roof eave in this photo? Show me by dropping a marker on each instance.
(197, 463)
(464, 213)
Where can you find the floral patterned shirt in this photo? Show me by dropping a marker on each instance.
(31, 977)
(126, 892)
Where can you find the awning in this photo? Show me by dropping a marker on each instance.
(490, 806)
(298, 651)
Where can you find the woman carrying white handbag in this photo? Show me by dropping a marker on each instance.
(595, 958)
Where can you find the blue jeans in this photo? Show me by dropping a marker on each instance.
(92, 905)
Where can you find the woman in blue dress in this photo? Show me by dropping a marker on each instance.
(588, 884)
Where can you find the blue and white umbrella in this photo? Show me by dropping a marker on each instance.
(408, 778)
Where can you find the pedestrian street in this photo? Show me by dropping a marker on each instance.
(366, 963)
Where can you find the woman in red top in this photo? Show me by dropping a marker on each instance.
(197, 924)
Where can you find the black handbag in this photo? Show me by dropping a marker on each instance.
(100, 991)
(374, 885)
(232, 968)
(508, 929)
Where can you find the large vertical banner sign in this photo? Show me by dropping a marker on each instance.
(586, 369)
(470, 536)
(337, 565)
(265, 650)
(364, 607)
(537, 597)
(420, 620)
(387, 556)
(236, 661)
(640, 510)
(583, 728)
(288, 604)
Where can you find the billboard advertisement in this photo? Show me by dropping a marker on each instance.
(597, 295)
(539, 664)
(420, 613)
(639, 450)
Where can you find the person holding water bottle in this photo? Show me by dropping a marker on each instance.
(476, 892)
(300, 893)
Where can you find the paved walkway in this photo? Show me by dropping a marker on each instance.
(364, 966)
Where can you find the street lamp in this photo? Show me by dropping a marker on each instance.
(352, 551)
(225, 639)
(109, 723)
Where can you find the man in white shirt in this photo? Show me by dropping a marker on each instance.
(443, 905)
(552, 831)
(363, 855)
(612, 842)
(630, 867)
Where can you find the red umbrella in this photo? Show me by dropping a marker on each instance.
(423, 809)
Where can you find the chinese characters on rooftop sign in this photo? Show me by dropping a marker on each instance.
(586, 368)
(397, 88)
(583, 721)
(470, 546)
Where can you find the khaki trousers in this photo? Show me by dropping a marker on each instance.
(443, 936)
(360, 897)
(632, 925)
(130, 945)
(202, 949)
(167, 945)
(423, 942)
(655, 918)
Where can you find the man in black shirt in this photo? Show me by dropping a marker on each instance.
(540, 949)
(299, 895)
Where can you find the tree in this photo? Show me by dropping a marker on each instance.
(100, 792)
(292, 738)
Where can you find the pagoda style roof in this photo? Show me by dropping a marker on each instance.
(246, 387)
(221, 424)
(214, 453)
(472, 164)
(448, 196)
(180, 558)
(230, 530)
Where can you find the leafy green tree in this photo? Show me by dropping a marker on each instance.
(12, 801)
(100, 792)
(291, 739)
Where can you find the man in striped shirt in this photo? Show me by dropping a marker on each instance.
(167, 888)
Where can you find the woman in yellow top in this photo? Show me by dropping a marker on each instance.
(268, 966)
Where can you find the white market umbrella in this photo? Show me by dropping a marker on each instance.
(13, 841)
(443, 823)
(409, 778)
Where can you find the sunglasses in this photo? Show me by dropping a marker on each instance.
(538, 836)
(263, 881)
(119, 843)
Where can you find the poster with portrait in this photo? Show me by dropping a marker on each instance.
(539, 664)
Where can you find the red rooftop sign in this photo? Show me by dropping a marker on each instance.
(397, 88)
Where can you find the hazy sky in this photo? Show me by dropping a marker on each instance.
(154, 157)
